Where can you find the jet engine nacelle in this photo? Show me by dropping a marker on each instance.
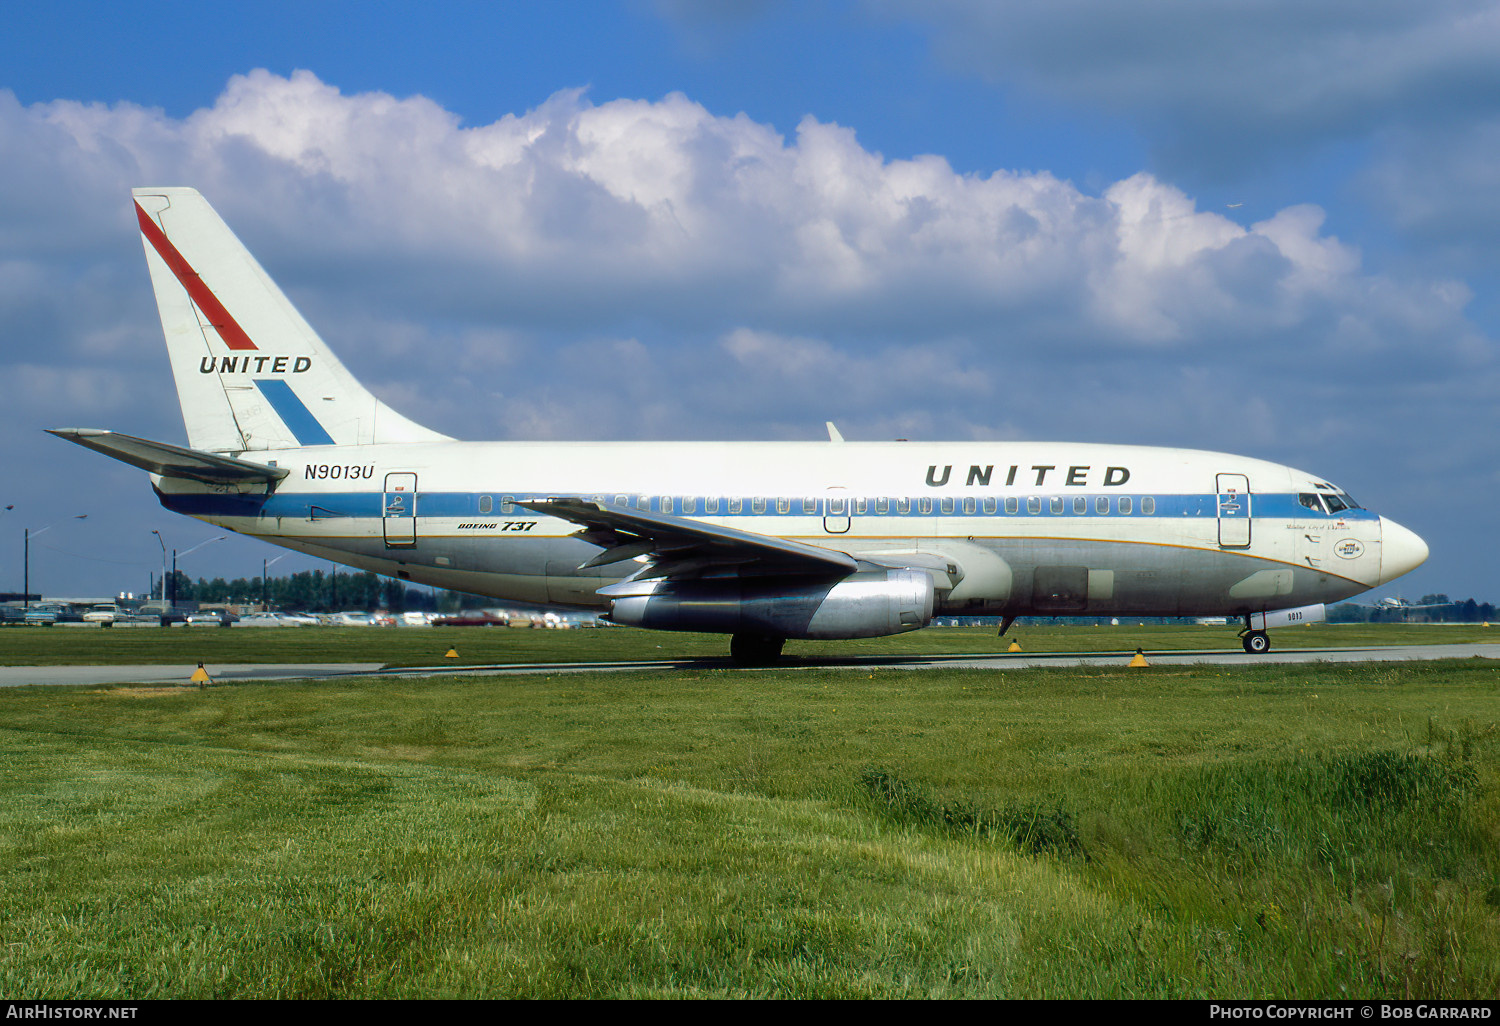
(863, 605)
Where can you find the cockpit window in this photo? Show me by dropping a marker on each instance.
(1311, 501)
(1336, 498)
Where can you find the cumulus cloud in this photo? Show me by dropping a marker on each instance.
(583, 217)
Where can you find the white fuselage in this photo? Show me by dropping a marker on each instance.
(1030, 528)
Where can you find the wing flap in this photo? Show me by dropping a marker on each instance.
(171, 460)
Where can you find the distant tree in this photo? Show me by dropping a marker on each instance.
(1348, 612)
(394, 595)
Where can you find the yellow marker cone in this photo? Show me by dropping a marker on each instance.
(1139, 659)
(1015, 646)
(200, 677)
(452, 654)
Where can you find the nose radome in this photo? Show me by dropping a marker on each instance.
(1401, 551)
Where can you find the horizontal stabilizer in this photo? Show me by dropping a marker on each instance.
(171, 460)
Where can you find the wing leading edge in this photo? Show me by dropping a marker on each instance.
(678, 547)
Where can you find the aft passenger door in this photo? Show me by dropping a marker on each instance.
(398, 506)
(1234, 510)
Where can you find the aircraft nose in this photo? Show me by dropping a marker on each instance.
(1401, 551)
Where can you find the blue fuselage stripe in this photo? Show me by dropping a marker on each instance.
(449, 505)
(293, 412)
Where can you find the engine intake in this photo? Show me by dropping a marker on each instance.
(863, 605)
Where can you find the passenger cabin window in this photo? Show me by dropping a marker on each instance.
(486, 504)
(1056, 504)
(1033, 503)
(758, 504)
(809, 504)
(622, 500)
(1012, 504)
(903, 505)
(1148, 506)
(924, 505)
(736, 505)
(783, 505)
(1127, 505)
(506, 507)
(664, 504)
(882, 504)
(861, 506)
(968, 505)
(1080, 505)
(711, 504)
(989, 505)
(946, 505)
(643, 503)
(1101, 504)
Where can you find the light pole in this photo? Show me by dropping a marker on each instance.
(163, 544)
(26, 557)
(7, 509)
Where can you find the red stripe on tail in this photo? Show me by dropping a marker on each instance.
(228, 328)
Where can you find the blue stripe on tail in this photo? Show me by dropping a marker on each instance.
(304, 426)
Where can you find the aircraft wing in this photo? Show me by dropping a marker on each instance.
(171, 460)
(679, 547)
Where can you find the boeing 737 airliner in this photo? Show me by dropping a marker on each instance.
(759, 540)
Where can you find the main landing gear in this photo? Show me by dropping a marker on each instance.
(1255, 642)
(755, 649)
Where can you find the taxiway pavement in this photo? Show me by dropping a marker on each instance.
(21, 676)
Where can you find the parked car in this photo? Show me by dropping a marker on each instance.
(44, 613)
(105, 614)
(471, 619)
(214, 617)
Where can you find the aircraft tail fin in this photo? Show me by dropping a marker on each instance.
(251, 373)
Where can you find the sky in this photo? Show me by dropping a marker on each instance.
(1266, 228)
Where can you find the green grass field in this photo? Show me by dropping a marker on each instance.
(45, 646)
(1274, 831)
